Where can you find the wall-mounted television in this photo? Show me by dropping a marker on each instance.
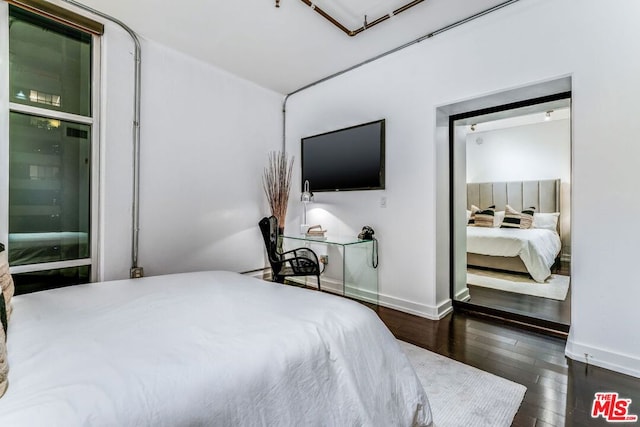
(345, 159)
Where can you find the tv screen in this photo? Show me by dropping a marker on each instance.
(345, 159)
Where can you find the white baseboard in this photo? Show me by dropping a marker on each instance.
(463, 295)
(417, 309)
(410, 307)
(622, 363)
(335, 286)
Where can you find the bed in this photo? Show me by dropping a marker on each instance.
(532, 251)
(204, 348)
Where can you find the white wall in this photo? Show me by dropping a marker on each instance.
(509, 48)
(525, 153)
(205, 135)
(531, 152)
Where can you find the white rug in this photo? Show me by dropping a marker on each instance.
(555, 287)
(461, 395)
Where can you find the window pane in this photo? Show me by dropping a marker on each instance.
(50, 64)
(49, 190)
(50, 279)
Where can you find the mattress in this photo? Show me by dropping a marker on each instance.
(537, 247)
(205, 348)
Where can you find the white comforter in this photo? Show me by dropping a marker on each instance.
(209, 348)
(536, 247)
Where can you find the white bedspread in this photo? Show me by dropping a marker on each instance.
(536, 247)
(208, 348)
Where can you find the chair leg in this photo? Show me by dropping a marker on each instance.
(318, 277)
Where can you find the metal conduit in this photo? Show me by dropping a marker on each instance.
(135, 271)
(382, 55)
(366, 24)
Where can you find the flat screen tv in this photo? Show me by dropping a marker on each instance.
(345, 159)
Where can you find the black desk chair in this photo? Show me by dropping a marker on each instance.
(297, 262)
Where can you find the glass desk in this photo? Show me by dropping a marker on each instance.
(350, 270)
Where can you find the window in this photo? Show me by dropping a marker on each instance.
(52, 185)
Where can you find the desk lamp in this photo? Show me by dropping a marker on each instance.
(306, 197)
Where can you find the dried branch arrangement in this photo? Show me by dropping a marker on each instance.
(276, 182)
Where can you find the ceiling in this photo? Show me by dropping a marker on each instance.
(283, 48)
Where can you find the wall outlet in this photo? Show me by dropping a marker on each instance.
(136, 272)
(324, 259)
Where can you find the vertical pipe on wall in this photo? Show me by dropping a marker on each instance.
(136, 271)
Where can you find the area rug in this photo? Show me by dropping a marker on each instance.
(555, 287)
(461, 395)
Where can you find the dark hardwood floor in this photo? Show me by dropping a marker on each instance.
(526, 305)
(559, 391)
(555, 314)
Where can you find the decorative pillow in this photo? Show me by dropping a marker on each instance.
(472, 215)
(511, 218)
(4, 364)
(515, 219)
(3, 316)
(547, 221)
(498, 218)
(484, 218)
(526, 217)
(468, 215)
(6, 282)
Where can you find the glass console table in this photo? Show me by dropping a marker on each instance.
(350, 271)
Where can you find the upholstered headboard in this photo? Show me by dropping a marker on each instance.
(543, 194)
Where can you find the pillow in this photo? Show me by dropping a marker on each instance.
(5, 311)
(526, 217)
(484, 218)
(498, 218)
(547, 221)
(3, 316)
(6, 282)
(468, 215)
(4, 364)
(515, 219)
(472, 215)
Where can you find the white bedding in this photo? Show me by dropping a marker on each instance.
(536, 247)
(208, 348)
